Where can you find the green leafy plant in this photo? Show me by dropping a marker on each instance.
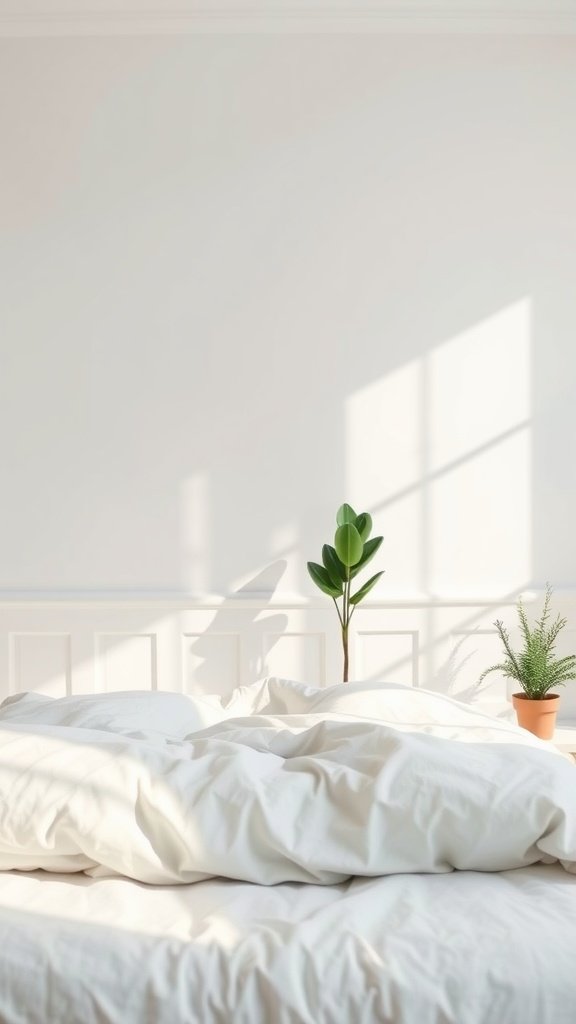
(353, 548)
(535, 667)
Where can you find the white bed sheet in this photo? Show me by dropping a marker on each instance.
(463, 948)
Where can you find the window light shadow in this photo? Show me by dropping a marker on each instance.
(440, 452)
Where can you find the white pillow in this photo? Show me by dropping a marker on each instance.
(137, 713)
(390, 703)
(165, 716)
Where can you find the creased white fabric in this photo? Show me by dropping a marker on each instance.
(463, 948)
(338, 784)
(460, 948)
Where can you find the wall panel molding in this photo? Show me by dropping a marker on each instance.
(41, 661)
(390, 654)
(62, 647)
(281, 18)
(295, 654)
(125, 661)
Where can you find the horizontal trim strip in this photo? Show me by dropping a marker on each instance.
(257, 599)
(259, 20)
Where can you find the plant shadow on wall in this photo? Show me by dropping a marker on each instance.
(428, 415)
(325, 290)
(446, 455)
(235, 645)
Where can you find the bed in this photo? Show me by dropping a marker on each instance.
(392, 856)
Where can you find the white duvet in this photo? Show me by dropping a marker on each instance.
(460, 948)
(283, 783)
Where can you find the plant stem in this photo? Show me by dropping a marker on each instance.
(338, 611)
(345, 647)
(345, 621)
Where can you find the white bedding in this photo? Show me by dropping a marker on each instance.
(282, 782)
(463, 948)
(309, 786)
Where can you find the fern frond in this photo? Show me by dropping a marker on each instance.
(505, 638)
(535, 667)
(540, 627)
(552, 684)
(553, 632)
(563, 670)
(506, 668)
(524, 624)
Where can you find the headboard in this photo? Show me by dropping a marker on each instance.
(79, 645)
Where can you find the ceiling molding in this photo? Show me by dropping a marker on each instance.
(367, 20)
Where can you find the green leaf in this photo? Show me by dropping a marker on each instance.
(364, 525)
(506, 668)
(348, 544)
(321, 578)
(345, 514)
(534, 665)
(370, 548)
(361, 594)
(334, 567)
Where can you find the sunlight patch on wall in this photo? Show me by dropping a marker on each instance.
(478, 457)
(384, 466)
(480, 522)
(439, 450)
(478, 386)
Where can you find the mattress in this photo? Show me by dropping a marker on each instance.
(464, 948)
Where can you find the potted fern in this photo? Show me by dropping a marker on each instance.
(536, 669)
(353, 548)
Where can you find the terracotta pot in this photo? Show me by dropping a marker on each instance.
(538, 716)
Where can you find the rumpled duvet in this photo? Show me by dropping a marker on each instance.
(282, 782)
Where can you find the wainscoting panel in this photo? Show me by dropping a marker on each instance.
(40, 662)
(125, 661)
(387, 655)
(471, 652)
(211, 662)
(296, 656)
(62, 646)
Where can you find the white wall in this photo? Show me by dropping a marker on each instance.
(244, 278)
